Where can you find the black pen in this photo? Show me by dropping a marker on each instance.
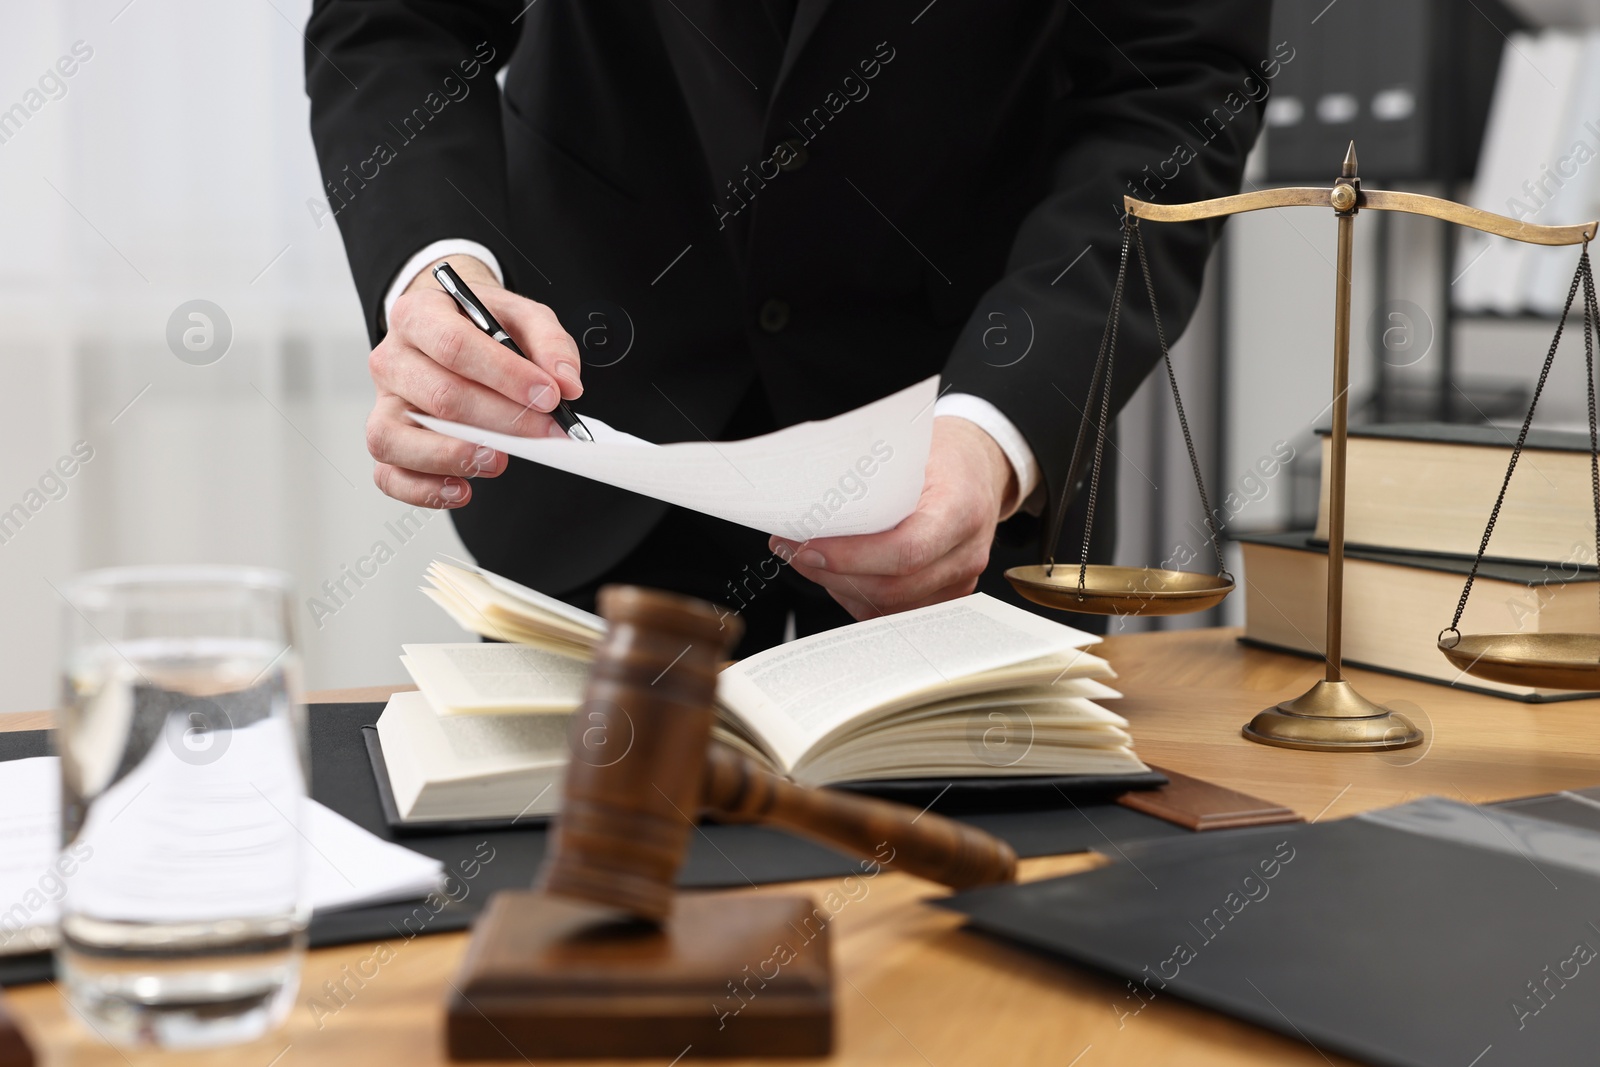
(565, 417)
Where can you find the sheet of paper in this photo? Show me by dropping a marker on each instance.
(347, 867)
(128, 867)
(214, 837)
(856, 473)
(30, 835)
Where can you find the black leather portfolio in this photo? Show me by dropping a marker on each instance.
(1436, 934)
(342, 778)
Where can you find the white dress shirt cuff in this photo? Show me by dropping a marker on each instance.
(988, 418)
(454, 246)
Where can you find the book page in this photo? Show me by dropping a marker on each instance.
(1068, 701)
(463, 747)
(856, 473)
(522, 599)
(485, 603)
(479, 678)
(798, 693)
(472, 766)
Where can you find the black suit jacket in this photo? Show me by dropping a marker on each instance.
(829, 209)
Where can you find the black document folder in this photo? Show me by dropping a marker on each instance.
(1433, 935)
(719, 856)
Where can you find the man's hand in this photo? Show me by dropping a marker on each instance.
(938, 551)
(434, 360)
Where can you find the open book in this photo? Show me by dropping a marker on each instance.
(970, 688)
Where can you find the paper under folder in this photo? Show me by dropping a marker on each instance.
(1437, 934)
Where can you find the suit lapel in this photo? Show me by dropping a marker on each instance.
(808, 15)
(725, 56)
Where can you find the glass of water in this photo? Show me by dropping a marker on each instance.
(183, 771)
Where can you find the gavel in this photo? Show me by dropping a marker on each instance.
(644, 767)
(601, 958)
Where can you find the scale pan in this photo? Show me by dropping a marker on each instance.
(1546, 661)
(1120, 590)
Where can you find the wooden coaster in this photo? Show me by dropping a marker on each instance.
(553, 978)
(1200, 805)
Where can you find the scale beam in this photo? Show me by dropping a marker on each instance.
(1290, 196)
(1377, 200)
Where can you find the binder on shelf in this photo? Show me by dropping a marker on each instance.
(1408, 80)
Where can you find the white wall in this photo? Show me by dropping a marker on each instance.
(180, 163)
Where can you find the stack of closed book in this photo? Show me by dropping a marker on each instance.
(1417, 499)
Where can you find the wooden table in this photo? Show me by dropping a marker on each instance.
(913, 988)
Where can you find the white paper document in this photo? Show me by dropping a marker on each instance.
(347, 867)
(30, 837)
(169, 858)
(856, 473)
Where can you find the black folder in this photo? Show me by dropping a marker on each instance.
(1434, 935)
(720, 856)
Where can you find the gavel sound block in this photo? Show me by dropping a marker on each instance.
(602, 958)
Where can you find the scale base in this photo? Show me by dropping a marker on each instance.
(1332, 717)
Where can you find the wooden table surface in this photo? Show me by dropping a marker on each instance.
(912, 987)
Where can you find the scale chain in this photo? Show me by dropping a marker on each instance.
(1183, 420)
(1590, 314)
(1102, 423)
(1584, 276)
(1107, 342)
(1100, 389)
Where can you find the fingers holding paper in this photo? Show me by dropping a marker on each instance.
(937, 552)
(435, 361)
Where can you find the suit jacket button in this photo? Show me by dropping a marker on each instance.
(794, 158)
(774, 316)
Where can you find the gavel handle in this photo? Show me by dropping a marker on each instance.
(737, 789)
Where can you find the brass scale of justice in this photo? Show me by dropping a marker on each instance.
(1331, 716)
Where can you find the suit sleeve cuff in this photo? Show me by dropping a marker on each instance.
(988, 418)
(454, 246)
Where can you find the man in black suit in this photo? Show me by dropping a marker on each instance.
(730, 216)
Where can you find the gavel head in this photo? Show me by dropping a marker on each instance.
(638, 751)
